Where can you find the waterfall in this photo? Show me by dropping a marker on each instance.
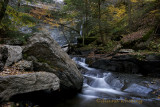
(94, 82)
(81, 28)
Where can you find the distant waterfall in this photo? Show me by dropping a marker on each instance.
(81, 29)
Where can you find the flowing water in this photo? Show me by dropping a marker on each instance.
(107, 89)
(100, 89)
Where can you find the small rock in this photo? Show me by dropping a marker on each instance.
(14, 54)
(24, 65)
(151, 57)
(126, 51)
(65, 49)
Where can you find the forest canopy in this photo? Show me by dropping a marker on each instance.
(97, 22)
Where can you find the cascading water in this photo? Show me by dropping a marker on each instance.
(81, 27)
(94, 82)
(106, 89)
(81, 30)
(102, 86)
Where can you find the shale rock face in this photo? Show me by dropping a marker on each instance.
(19, 84)
(47, 55)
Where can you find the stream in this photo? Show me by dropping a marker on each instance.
(107, 89)
(100, 89)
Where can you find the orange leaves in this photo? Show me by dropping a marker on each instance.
(42, 14)
(12, 71)
(38, 13)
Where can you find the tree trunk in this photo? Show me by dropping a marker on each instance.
(3, 8)
(129, 14)
(86, 21)
(19, 4)
(99, 22)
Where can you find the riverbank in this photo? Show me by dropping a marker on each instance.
(125, 61)
(39, 68)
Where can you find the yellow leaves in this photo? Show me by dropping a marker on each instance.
(54, 24)
(134, 1)
(39, 17)
(155, 12)
(49, 19)
(117, 13)
(61, 20)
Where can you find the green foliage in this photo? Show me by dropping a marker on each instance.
(139, 56)
(18, 36)
(110, 46)
(27, 19)
(95, 18)
(13, 21)
(154, 45)
(25, 9)
(147, 35)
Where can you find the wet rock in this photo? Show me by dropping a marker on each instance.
(18, 84)
(114, 82)
(138, 90)
(50, 56)
(116, 66)
(150, 65)
(65, 47)
(152, 57)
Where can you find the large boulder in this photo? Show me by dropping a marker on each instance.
(49, 56)
(19, 84)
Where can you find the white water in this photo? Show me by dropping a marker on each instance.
(97, 87)
(59, 0)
